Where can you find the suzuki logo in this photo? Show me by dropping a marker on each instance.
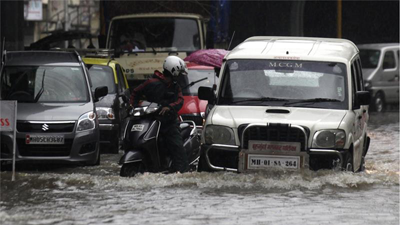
(45, 127)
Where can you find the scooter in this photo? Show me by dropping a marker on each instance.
(143, 146)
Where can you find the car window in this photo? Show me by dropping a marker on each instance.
(44, 84)
(286, 80)
(354, 82)
(370, 58)
(102, 76)
(199, 78)
(360, 84)
(388, 60)
(121, 80)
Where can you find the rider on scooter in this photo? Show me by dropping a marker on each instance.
(155, 89)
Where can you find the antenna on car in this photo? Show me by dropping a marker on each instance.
(233, 35)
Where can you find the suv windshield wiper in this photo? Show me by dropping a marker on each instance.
(264, 99)
(312, 100)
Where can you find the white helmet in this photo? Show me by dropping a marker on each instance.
(175, 66)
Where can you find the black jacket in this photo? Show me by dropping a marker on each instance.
(156, 89)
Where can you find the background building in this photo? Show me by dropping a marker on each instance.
(366, 21)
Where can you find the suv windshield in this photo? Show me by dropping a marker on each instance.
(154, 34)
(369, 58)
(196, 78)
(284, 82)
(102, 76)
(44, 84)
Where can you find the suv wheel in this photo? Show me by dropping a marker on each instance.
(348, 162)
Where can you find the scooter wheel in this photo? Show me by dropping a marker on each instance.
(131, 169)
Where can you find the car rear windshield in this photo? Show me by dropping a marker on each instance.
(196, 78)
(102, 76)
(284, 82)
(369, 58)
(53, 84)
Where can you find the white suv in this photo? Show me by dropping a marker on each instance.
(287, 102)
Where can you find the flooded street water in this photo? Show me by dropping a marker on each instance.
(97, 195)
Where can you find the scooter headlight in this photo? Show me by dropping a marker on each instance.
(329, 139)
(219, 135)
(140, 111)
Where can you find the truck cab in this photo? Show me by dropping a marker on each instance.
(142, 41)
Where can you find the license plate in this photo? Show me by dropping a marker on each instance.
(274, 146)
(268, 161)
(44, 139)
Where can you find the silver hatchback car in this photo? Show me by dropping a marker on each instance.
(56, 114)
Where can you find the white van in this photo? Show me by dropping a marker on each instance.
(381, 73)
(287, 102)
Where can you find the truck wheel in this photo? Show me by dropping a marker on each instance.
(379, 102)
(348, 162)
(131, 169)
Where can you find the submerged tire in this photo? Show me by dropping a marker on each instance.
(348, 163)
(131, 169)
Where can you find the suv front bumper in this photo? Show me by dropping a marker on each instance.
(232, 158)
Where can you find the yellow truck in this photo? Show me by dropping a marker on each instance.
(141, 42)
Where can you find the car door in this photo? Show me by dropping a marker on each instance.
(360, 113)
(390, 75)
(122, 90)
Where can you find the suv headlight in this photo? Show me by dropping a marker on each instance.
(87, 121)
(329, 139)
(105, 113)
(219, 135)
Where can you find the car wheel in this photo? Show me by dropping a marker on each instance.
(348, 162)
(131, 169)
(379, 103)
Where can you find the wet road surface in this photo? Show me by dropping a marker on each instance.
(97, 195)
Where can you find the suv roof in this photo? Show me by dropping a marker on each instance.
(379, 45)
(158, 14)
(304, 48)
(34, 58)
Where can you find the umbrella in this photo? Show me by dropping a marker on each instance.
(207, 57)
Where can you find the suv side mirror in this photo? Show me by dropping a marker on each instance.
(206, 93)
(363, 98)
(100, 92)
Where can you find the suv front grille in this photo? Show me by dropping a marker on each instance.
(44, 149)
(273, 132)
(48, 128)
(198, 120)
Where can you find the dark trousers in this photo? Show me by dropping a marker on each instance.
(174, 144)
